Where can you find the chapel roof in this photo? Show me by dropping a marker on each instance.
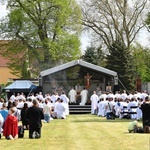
(80, 63)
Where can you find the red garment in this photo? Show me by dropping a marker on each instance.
(10, 126)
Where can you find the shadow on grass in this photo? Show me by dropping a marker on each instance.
(103, 120)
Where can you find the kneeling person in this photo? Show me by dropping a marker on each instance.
(132, 127)
(35, 115)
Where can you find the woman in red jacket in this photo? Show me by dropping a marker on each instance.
(11, 126)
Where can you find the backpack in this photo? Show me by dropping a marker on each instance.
(20, 132)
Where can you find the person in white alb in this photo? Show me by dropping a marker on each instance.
(94, 103)
(84, 96)
(65, 101)
(72, 95)
(60, 107)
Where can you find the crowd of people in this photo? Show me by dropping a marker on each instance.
(31, 111)
(35, 108)
(122, 105)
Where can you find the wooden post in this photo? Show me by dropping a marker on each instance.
(138, 84)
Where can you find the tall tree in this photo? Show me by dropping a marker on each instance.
(95, 56)
(49, 29)
(148, 21)
(141, 57)
(120, 60)
(114, 20)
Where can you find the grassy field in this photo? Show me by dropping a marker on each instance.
(82, 132)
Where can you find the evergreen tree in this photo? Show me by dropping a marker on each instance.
(89, 55)
(95, 56)
(120, 60)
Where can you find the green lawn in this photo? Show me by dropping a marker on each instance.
(82, 132)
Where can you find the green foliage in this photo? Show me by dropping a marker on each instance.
(142, 61)
(2, 93)
(95, 56)
(49, 30)
(120, 60)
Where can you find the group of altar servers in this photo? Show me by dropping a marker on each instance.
(57, 106)
(120, 103)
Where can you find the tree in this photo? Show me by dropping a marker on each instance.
(120, 60)
(148, 21)
(141, 57)
(95, 56)
(114, 20)
(48, 29)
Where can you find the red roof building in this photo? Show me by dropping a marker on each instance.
(5, 72)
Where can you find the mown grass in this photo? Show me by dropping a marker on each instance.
(82, 132)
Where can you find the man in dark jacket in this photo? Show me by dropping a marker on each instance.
(35, 115)
(145, 107)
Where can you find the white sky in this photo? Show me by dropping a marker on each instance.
(3, 10)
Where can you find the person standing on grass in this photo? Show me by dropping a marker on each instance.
(72, 95)
(94, 103)
(145, 107)
(84, 96)
(35, 115)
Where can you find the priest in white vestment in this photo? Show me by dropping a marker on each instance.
(94, 102)
(72, 95)
(84, 96)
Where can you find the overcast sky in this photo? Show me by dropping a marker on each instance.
(3, 11)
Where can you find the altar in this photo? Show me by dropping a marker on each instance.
(77, 74)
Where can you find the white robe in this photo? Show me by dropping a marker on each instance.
(84, 96)
(65, 101)
(133, 103)
(12, 98)
(117, 108)
(139, 113)
(72, 95)
(104, 103)
(61, 110)
(53, 98)
(103, 96)
(94, 100)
